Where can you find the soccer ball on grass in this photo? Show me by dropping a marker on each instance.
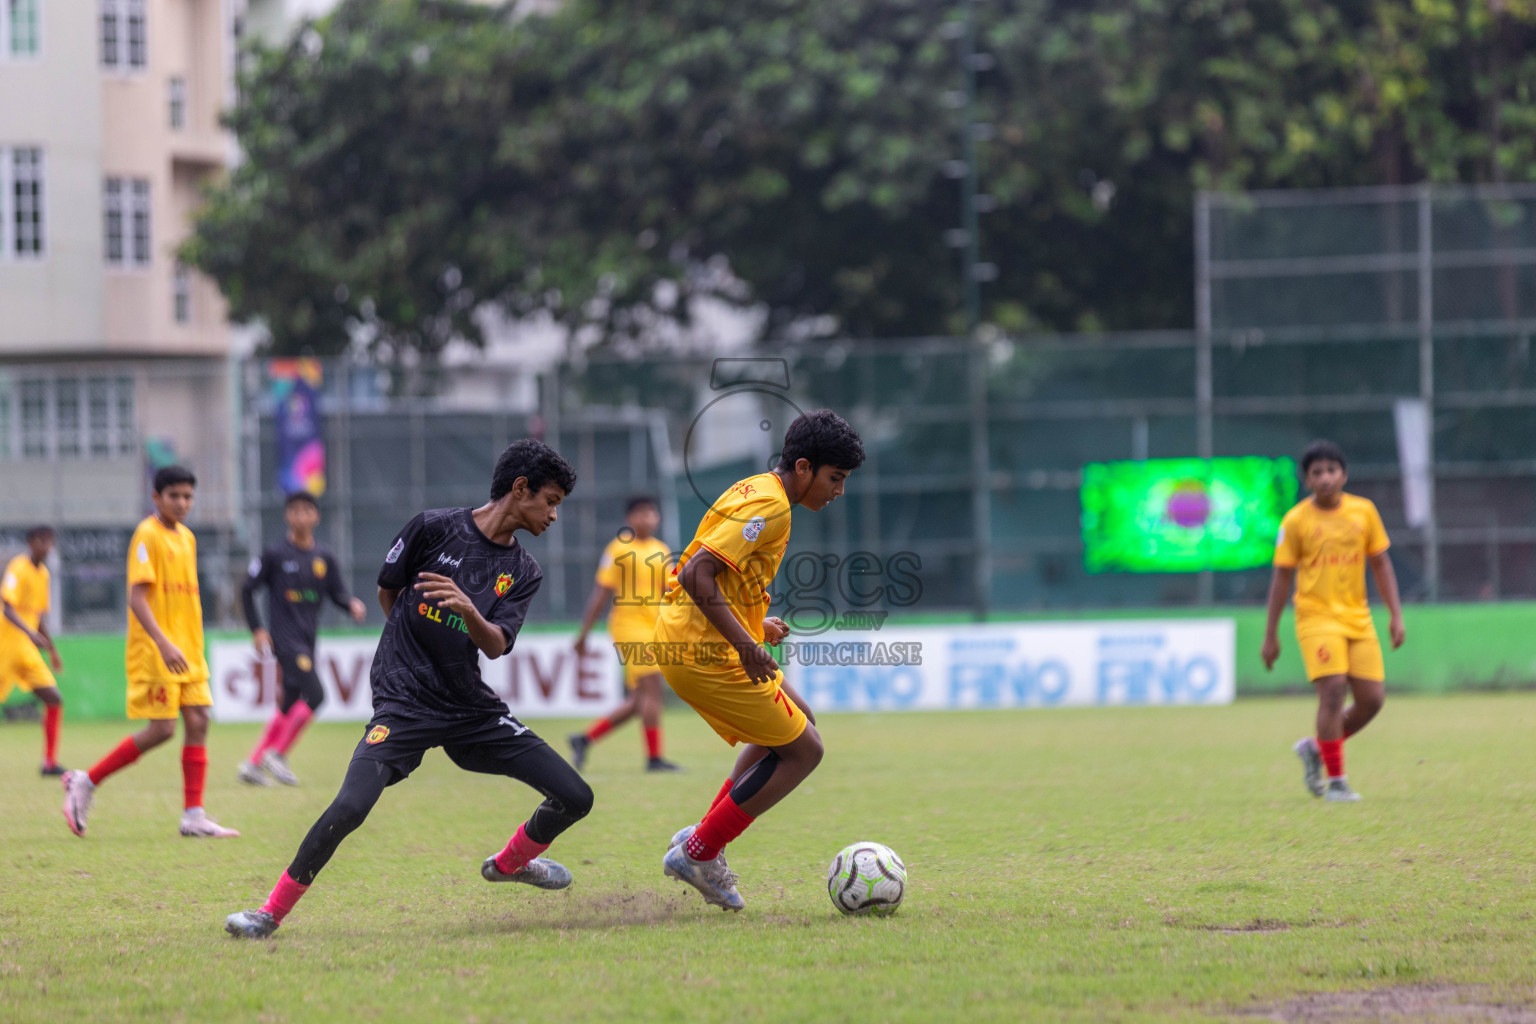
(867, 878)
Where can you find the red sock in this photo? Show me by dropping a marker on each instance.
(600, 728)
(725, 791)
(269, 735)
(51, 716)
(284, 895)
(298, 717)
(653, 741)
(520, 850)
(1333, 756)
(122, 755)
(724, 822)
(194, 771)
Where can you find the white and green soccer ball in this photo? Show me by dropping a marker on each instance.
(867, 878)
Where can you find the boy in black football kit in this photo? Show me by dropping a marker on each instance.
(296, 574)
(455, 584)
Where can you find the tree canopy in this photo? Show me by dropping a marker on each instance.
(407, 162)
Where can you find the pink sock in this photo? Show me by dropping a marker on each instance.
(284, 895)
(298, 717)
(269, 735)
(520, 850)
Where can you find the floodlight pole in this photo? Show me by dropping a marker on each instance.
(1205, 582)
(1427, 383)
(971, 251)
(970, 260)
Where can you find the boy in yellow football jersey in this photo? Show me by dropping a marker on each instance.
(24, 594)
(713, 619)
(1325, 543)
(632, 574)
(167, 674)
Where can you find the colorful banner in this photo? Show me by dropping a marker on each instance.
(1017, 665)
(543, 677)
(906, 668)
(296, 385)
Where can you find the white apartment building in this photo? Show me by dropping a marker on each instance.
(113, 356)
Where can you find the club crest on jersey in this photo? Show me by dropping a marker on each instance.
(377, 734)
(754, 528)
(305, 663)
(503, 583)
(318, 565)
(394, 552)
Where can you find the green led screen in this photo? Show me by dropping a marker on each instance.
(1184, 515)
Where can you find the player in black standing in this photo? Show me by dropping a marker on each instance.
(455, 585)
(296, 574)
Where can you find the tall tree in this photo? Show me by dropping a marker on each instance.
(410, 161)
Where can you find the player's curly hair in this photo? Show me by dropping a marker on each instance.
(1322, 451)
(823, 438)
(534, 460)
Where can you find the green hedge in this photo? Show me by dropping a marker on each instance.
(1450, 647)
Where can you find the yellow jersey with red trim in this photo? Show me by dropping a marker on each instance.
(166, 558)
(636, 571)
(1328, 548)
(25, 588)
(747, 528)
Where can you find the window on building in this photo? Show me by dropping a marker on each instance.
(113, 207)
(122, 425)
(66, 416)
(126, 209)
(21, 203)
(181, 295)
(34, 419)
(124, 35)
(5, 417)
(27, 201)
(98, 411)
(19, 36)
(139, 205)
(178, 95)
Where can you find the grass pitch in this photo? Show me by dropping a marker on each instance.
(1095, 864)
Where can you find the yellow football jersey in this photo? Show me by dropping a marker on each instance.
(747, 528)
(636, 572)
(1328, 549)
(166, 558)
(25, 588)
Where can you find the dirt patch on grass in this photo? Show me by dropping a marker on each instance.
(618, 910)
(1453, 1003)
(1258, 924)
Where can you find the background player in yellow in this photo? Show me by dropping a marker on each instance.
(632, 574)
(24, 593)
(167, 674)
(1325, 543)
(715, 617)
